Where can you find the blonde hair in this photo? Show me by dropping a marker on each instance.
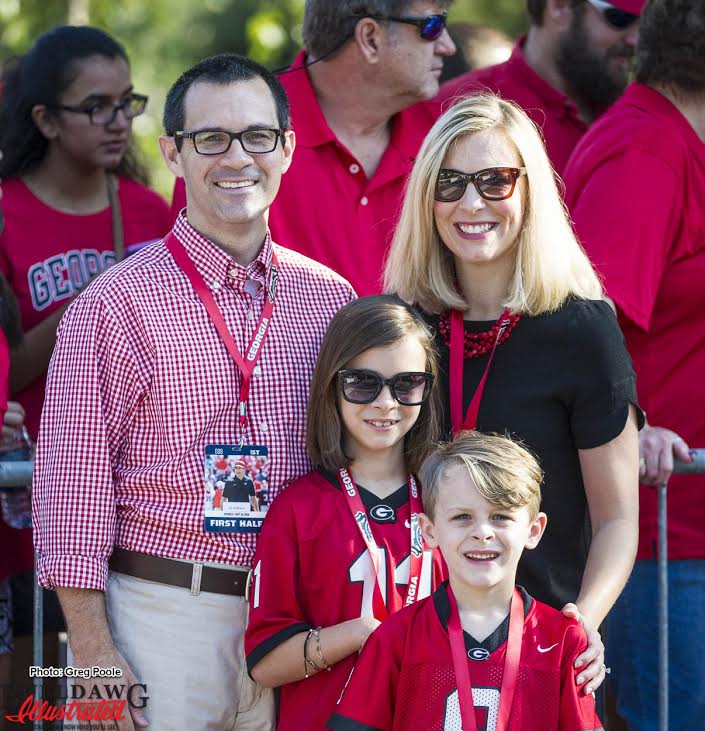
(503, 471)
(551, 266)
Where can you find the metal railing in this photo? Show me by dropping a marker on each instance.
(16, 474)
(697, 466)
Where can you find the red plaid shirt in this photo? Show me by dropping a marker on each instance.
(140, 382)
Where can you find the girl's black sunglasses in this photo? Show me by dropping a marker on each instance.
(361, 386)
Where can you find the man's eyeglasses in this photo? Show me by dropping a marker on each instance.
(102, 113)
(493, 184)
(614, 17)
(430, 26)
(360, 386)
(218, 141)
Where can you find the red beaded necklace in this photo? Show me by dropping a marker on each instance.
(480, 343)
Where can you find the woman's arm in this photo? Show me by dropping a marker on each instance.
(285, 663)
(30, 359)
(611, 478)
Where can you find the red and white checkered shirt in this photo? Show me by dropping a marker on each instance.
(140, 382)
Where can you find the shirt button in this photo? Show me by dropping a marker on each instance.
(364, 201)
(354, 168)
(257, 370)
(250, 315)
(263, 426)
(233, 272)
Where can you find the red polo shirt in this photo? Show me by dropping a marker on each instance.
(326, 207)
(549, 109)
(635, 187)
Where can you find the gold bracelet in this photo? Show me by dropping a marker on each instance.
(317, 632)
(309, 663)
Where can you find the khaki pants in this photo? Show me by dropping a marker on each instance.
(189, 652)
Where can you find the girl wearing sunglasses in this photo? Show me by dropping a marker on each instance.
(341, 549)
(528, 346)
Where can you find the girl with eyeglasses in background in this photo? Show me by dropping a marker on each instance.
(341, 548)
(74, 201)
(527, 346)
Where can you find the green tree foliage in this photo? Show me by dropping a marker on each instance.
(164, 37)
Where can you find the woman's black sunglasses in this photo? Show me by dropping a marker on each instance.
(361, 386)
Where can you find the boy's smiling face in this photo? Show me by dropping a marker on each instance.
(481, 542)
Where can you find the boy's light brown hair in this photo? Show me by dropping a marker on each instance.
(504, 472)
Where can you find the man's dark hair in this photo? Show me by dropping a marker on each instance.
(535, 10)
(328, 23)
(223, 69)
(671, 46)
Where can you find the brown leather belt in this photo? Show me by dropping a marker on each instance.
(193, 576)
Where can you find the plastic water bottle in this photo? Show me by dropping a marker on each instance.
(16, 502)
(16, 506)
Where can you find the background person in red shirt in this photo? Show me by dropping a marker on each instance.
(570, 67)
(636, 187)
(358, 127)
(65, 119)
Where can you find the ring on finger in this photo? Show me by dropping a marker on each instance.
(606, 669)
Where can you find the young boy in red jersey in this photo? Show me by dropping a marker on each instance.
(479, 653)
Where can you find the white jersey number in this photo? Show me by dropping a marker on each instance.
(482, 698)
(362, 571)
(256, 572)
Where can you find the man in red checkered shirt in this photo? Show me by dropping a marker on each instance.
(200, 345)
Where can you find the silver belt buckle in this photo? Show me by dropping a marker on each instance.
(196, 579)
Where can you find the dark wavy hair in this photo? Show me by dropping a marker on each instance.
(40, 77)
(378, 321)
(671, 46)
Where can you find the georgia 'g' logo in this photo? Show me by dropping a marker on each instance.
(478, 653)
(383, 514)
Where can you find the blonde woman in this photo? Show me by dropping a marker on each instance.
(528, 346)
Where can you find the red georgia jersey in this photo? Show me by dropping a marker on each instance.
(312, 569)
(404, 679)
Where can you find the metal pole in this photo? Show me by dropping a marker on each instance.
(16, 474)
(697, 466)
(662, 571)
(38, 641)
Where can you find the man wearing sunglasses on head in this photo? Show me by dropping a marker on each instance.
(198, 352)
(355, 93)
(571, 65)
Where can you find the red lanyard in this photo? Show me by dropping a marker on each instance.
(511, 663)
(457, 359)
(245, 365)
(359, 514)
